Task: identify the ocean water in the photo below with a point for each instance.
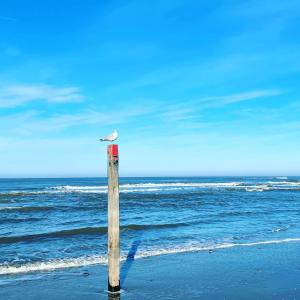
(50, 224)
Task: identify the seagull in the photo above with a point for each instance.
(111, 137)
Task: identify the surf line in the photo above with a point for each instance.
(53, 265)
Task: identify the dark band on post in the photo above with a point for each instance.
(114, 289)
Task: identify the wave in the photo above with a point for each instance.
(52, 265)
(261, 188)
(19, 220)
(83, 231)
(141, 187)
(25, 208)
(278, 229)
(23, 193)
(172, 186)
(274, 186)
(183, 184)
(154, 187)
(92, 190)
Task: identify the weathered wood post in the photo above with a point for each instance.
(113, 219)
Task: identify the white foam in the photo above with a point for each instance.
(143, 187)
(11, 208)
(184, 184)
(280, 229)
(103, 189)
(24, 192)
(195, 248)
(52, 265)
(286, 183)
(75, 187)
(258, 188)
(151, 187)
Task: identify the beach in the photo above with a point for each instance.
(181, 238)
(149, 148)
(268, 271)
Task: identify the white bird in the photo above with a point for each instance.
(111, 137)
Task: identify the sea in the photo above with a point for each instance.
(58, 224)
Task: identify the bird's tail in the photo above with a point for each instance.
(101, 140)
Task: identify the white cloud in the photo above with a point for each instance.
(181, 113)
(191, 110)
(14, 95)
(33, 122)
(240, 97)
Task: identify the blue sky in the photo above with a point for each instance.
(193, 87)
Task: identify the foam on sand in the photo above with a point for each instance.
(47, 266)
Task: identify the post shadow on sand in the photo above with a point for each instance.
(125, 269)
(129, 261)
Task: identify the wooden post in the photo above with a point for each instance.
(113, 219)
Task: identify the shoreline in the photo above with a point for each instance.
(81, 262)
(264, 271)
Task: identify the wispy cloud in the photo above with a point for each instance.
(14, 95)
(34, 122)
(240, 97)
(229, 69)
(191, 109)
(175, 113)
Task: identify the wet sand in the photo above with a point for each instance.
(248, 272)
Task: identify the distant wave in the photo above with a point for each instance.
(273, 185)
(26, 192)
(47, 266)
(19, 220)
(82, 231)
(172, 186)
(25, 208)
(143, 187)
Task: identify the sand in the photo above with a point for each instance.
(256, 272)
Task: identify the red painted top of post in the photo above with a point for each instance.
(113, 150)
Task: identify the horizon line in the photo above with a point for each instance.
(139, 176)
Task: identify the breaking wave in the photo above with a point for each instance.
(83, 231)
(25, 208)
(52, 265)
(155, 187)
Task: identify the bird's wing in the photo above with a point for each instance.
(111, 137)
(106, 138)
(115, 135)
